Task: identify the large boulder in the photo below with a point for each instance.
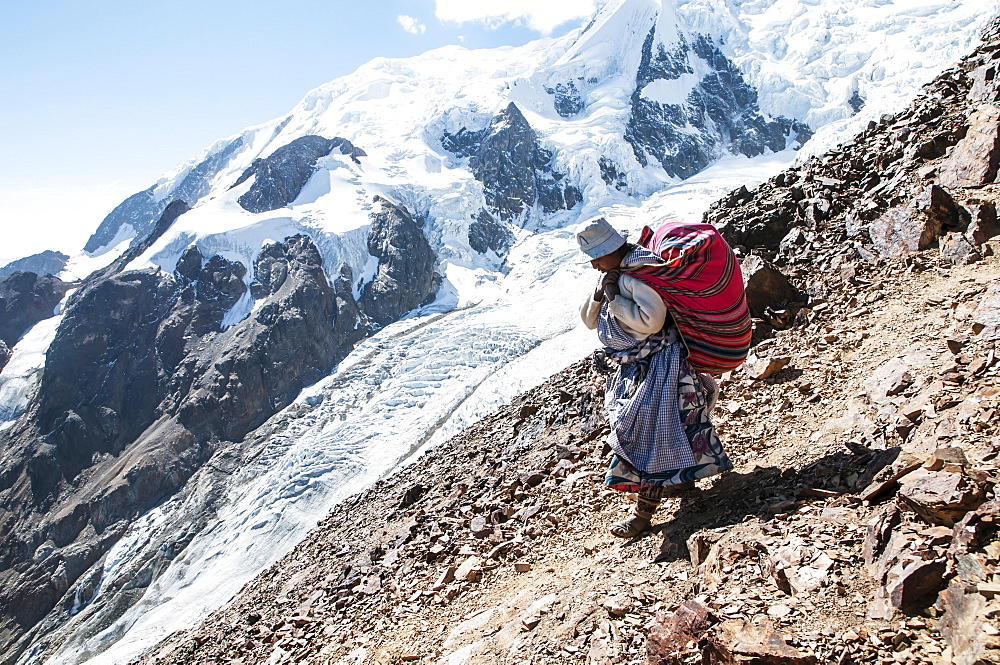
(982, 222)
(974, 160)
(915, 226)
(765, 286)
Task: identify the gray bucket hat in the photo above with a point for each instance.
(597, 238)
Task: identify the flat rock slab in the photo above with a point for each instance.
(940, 497)
(694, 634)
(915, 226)
(973, 161)
(986, 317)
(762, 367)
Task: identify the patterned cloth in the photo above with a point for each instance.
(697, 275)
(641, 398)
(700, 435)
(658, 408)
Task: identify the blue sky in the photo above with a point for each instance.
(100, 98)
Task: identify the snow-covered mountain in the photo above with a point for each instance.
(364, 276)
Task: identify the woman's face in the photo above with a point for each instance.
(606, 262)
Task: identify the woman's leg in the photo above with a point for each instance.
(642, 515)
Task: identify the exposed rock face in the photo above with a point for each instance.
(141, 210)
(4, 354)
(43, 263)
(486, 233)
(916, 226)
(611, 175)
(214, 286)
(515, 170)
(26, 299)
(567, 100)
(141, 385)
(405, 277)
(721, 109)
(280, 177)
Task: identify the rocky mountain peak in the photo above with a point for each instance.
(516, 172)
(720, 111)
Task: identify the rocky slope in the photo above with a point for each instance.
(494, 547)
(859, 525)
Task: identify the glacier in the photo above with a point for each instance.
(500, 324)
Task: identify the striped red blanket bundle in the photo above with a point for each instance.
(700, 281)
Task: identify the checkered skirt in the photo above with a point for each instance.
(661, 433)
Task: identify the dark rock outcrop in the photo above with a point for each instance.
(142, 210)
(405, 277)
(280, 177)
(486, 233)
(214, 286)
(515, 170)
(4, 354)
(43, 263)
(611, 175)
(566, 99)
(765, 286)
(142, 384)
(25, 299)
(721, 109)
(857, 102)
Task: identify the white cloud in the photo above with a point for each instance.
(541, 15)
(411, 25)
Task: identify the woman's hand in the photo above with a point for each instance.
(608, 287)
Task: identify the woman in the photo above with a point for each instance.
(658, 407)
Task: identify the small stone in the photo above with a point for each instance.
(529, 622)
(988, 590)
(480, 527)
(447, 576)
(763, 367)
(779, 610)
(522, 567)
(956, 344)
(618, 605)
